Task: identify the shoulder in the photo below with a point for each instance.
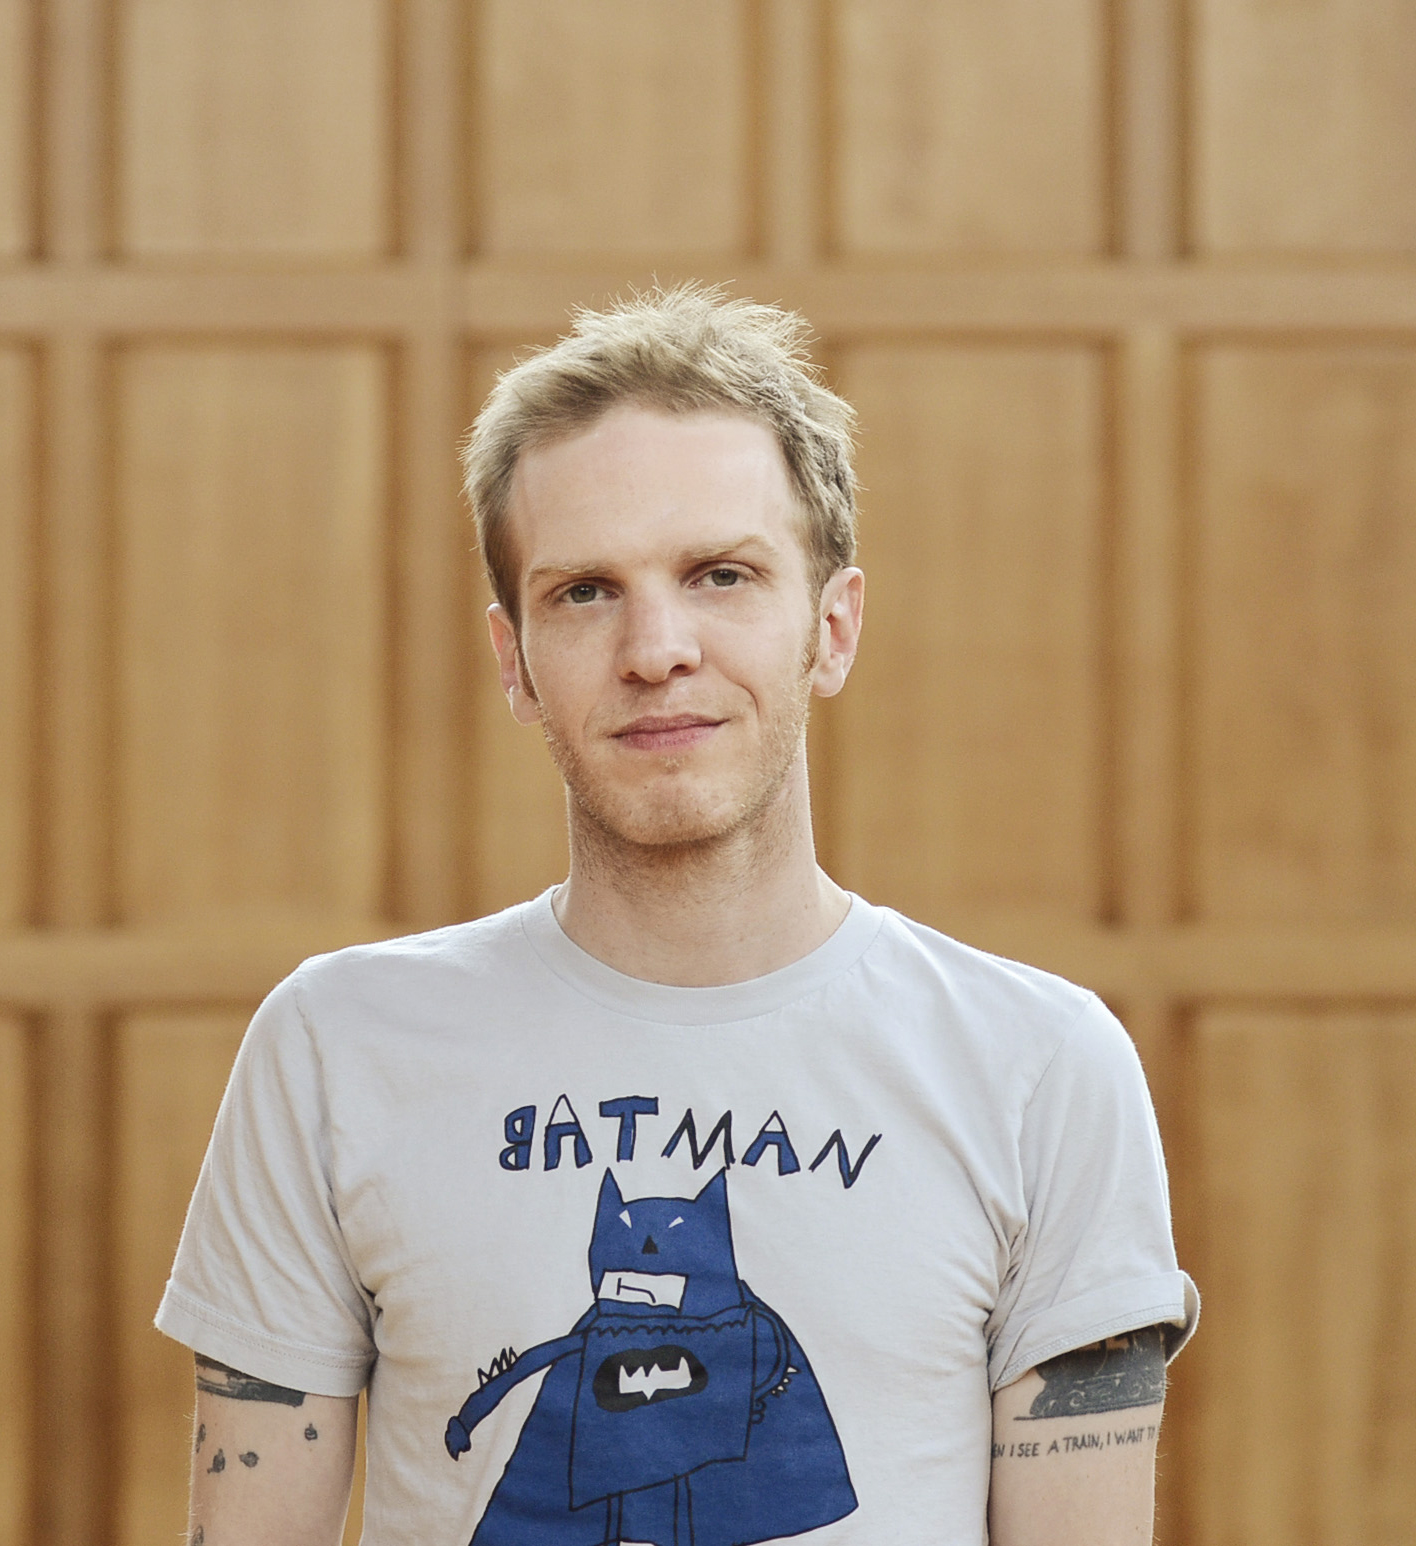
(975, 983)
(484, 947)
(1000, 1024)
(346, 1003)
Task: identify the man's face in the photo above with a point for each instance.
(670, 638)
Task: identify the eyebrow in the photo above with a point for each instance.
(745, 546)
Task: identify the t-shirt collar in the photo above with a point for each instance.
(698, 1006)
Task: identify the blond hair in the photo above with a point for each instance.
(684, 350)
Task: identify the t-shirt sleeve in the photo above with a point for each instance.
(263, 1280)
(1095, 1256)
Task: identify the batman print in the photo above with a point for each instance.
(678, 1411)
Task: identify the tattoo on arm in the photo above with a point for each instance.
(219, 1379)
(1123, 1371)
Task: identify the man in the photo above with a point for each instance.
(695, 1201)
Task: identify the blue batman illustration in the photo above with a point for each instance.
(679, 1410)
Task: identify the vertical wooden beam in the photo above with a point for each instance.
(791, 215)
(73, 100)
(1149, 161)
(17, 1310)
(790, 221)
(74, 580)
(432, 540)
(1149, 170)
(1148, 560)
(1148, 744)
(72, 1481)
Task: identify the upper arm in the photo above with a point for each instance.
(1074, 1447)
(269, 1464)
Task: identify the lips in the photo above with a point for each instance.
(667, 732)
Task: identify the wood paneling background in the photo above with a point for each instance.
(1125, 291)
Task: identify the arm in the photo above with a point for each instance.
(483, 1401)
(1074, 1447)
(269, 1464)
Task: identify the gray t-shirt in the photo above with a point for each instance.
(763, 1250)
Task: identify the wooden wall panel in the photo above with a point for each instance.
(1304, 633)
(516, 800)
(16, 127)
(1307, 1203)
(17, 620)
(969, 126)
(251, 603)
(254, 127)
(971, 739)
(170, 1070)
(1304, 126)
(16, 1280)
(620, 128)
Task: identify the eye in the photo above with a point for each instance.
(723, 579)
(626, 1220)
(581, 592)
(676, 1223)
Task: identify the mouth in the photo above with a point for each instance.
(658, 1289)
(667, 732)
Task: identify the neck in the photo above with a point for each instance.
(702, 914)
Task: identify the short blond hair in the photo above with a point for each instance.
(683, 350)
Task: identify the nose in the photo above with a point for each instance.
(658, 640)
(650, 1249)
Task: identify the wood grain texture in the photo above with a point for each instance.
(971, 736)
(17, 635)
(16, 1278)
(252, 599)
(254, 128)
(170, 1069)
(969, 127)
(75, 562)
(72, 1301)
(1304, 126)
(1306, 1363)
(507, 298)
(72, 128)
(17, 109)
(1303, 625)
(1147, 676)
(1148, 138)
(616, 128)
(792, 204)
(516, 823)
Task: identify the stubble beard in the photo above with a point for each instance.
(618, 832)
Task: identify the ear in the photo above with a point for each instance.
(842, 608)
(514, 680)
(610, 1199)
(715, 1194)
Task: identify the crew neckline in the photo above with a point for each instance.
(720, 1005)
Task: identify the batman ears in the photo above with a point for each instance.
(717, 1189)
(610, 1192)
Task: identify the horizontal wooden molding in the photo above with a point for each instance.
(519, 301)
(110, 968)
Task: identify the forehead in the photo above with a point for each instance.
(639, 476)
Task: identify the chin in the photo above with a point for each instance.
(647, 822)
(686, 808)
